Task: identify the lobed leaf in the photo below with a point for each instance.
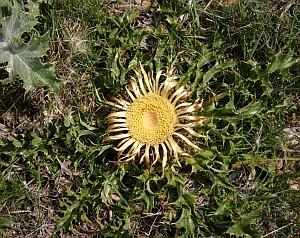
(23, 58)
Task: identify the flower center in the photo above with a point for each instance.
(151, 119)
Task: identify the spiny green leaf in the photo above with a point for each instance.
(237, 231)
(217, 68)
(91, 128)
(186, 221)
(243, 228)
(222, 209)
(249, 110)
(281, 62)
(149, 199)
(186, 199)
(36, 141)
(68, 119)
(23, 58)
(15, 142)
(66, 221)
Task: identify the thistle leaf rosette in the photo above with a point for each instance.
(150, 122)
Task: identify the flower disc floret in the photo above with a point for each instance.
(151, 119)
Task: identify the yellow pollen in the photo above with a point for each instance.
(151, 119)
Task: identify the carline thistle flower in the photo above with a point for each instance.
(148, 122)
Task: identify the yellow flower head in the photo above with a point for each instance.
(147, 123)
